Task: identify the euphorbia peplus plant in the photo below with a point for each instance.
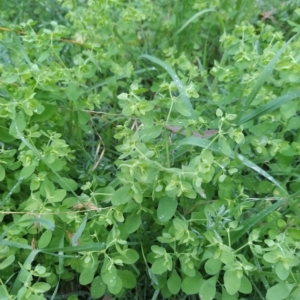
(200, 196)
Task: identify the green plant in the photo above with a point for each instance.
(142, 158)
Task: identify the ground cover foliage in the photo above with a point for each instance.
(149, 150)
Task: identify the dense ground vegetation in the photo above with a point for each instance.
(149, 149)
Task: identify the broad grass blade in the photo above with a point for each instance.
(186, 101)
(269, 107)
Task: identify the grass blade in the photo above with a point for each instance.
(206, 144)
(51, 251)
(87, 247)
(78, 233)
(269, 107)
(195, 16)
(176, 80)
(263, 76)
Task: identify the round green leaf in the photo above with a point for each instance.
(58, 195)
(158, 267)
(213, 266)
(208, 289)
(246, 286)
(232, 282)
(72, 91)
(128, 279)
(191, 285)
(45, 239)
(133, 223)
(166, 208)
(86, 276)
(129, 256)
(116, 288)
(226, 296)
(98, 287)
(121, 196)
(279, 291)
(109, 276)
(281, 271)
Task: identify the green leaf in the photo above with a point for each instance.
(98, 287)
(232, 282)
(224, 146)
(2, 172)
(133, 222)
(86, 276)
(166, 208)
(246, 286)
(73, 92)
(226, 296)
(213, 266)
(130, 256)
(208, 289)
(150, 133)
(3, 292)
(41, 287)
(289, 110)
(109, 276)
(121, 196)
(281, 270)
(128, 279)
(27, 171)
(191, 285)
(174, 283)
(58, 195)
(181, 108)
(279, 291)
(159, 251)
(187, 269)
(7, 262)
(117, 287)
(158, 267)
(68, 184)
(17, 125)
(45, 239)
